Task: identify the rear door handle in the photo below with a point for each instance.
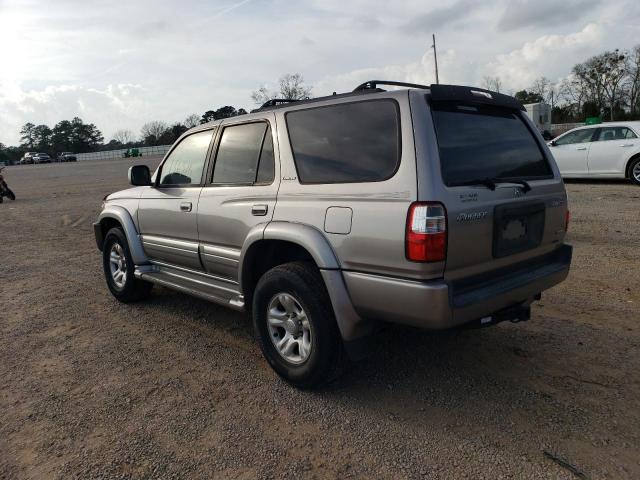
(185, 206)
(581, 148)
(259, 210)
(627, 145)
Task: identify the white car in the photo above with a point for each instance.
(608, 150)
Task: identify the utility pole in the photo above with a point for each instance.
(435, 56)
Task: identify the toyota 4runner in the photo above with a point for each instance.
(434, 207)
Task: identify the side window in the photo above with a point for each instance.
(346, 143)
(579, 136)
(185, 163)
(245, 155)
(615, 133)
(267, 165)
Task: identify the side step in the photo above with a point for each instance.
(199, 284)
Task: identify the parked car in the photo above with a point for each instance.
(608, 150)
(41, 158)
(66, 157)
(434, 207)
(27, 158)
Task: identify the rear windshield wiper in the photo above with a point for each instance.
(491, 183)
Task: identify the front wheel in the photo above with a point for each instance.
(10, 194)
(634, 171)
(119, 267)
(295, 325)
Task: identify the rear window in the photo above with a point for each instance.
(346, 143)
(479, 142)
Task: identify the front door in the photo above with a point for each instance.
(571, 151)
(167, 211)
(240, 194)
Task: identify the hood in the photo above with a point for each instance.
(132, 193)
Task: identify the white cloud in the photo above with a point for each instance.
(115, 107)
(551, 55)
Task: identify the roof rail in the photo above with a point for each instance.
(274, 102)
(372, 84)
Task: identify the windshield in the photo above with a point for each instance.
(479, 142)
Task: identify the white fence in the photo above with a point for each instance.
(558, 128)
(110, 154)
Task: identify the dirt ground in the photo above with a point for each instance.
(176, 387)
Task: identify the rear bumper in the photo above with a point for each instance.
(440, 304)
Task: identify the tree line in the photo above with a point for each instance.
(606, 86)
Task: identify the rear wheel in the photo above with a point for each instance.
(634, 171)
(119, 267)
(295, 325)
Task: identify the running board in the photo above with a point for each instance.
(199, 284)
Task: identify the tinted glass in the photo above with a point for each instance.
(353, 142)
(186, 162)
(579, 136)
(266, 167)
(237, 158)
(615, 133)
(485, 142)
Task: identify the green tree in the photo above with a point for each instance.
(222, 112)
(85, 137)
(62, 136)
(42, 138)
(528, 97)
(27, 136)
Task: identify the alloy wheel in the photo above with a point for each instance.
(289, 328)
(118, 265)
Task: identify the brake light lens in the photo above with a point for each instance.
(426, 238)
(567, 219)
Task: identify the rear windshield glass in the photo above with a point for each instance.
(478, 142)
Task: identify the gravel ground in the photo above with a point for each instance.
(176, 387)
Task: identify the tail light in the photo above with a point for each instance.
(426, 239)
(567, 218)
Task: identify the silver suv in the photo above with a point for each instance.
(434, 207)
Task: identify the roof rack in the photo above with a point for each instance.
(274, 102)
(373, 84)
(364, 89)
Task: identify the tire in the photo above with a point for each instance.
(317, 355)
(10, 194)
(126, 288)
(634, 171)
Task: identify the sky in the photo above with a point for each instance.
(121, 64)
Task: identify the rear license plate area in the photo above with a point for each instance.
(517, 228)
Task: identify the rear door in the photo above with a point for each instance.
(492, 224)
(167, 211)
(610, 150)
(572, 150)
(239, 194)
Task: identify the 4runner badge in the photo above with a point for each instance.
(468, 217)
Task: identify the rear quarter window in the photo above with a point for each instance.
(346, 143)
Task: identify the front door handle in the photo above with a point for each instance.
(185, 206)
(259, 210)
(627, 145)
(581, 148)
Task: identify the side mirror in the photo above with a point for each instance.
(139, 176)
(552, 143)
